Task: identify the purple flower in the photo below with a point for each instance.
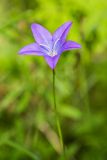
(48, 45)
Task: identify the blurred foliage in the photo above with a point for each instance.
(27, 125)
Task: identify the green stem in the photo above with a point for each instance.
(57, 117)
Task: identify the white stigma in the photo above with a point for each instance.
(52, 54)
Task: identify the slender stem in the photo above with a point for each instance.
(57, 116)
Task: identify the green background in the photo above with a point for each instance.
(27, 121)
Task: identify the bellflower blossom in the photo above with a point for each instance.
(48, 45)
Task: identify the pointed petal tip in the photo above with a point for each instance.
(69, 23)
(79, 46)
(20, 52)
(33, 25)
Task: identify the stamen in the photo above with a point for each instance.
(45, 47)
(50, 52)
(55, 44)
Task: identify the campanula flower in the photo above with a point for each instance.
(48, 45)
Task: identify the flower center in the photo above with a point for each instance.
(52, 54)
(51, 50)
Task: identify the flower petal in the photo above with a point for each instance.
(32, 49)
(69, 45)
(52, 61)
(41, 35)
(62, 31)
